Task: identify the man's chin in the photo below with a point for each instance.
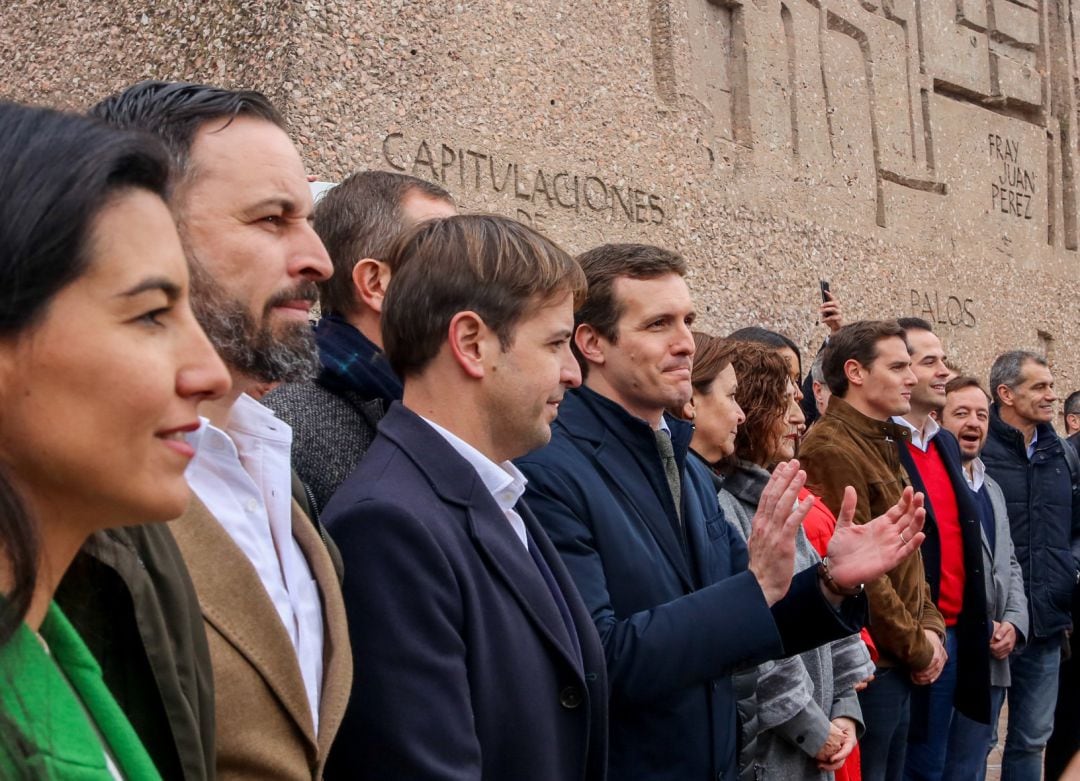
(287, 328)
(680, 396)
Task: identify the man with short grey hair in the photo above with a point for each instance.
(333, 416)
(1027, 459)
(818, 384)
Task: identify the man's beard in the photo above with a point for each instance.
(252, 348)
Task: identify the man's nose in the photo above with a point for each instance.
(309, 258)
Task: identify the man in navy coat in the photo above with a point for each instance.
(475, 658)
(952, 555)
(678, 601)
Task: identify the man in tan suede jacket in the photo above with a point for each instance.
(264, 576)
(868, 370)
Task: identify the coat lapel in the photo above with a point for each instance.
(234, 601)
(598, 428)
(337, 656)
(641, 501)
(500, 547)
(458, 484)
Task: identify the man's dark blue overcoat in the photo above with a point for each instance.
(464, 666)
(675, 618)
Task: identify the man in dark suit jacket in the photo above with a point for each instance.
(475, 656)
(677, 599)
(952, 555)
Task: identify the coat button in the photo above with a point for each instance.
(570, 697)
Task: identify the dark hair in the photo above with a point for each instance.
(605, 264)
(361, 218)
(962, 382)
(491, 265)
(712, 354)
(856, 341)
(57, 173)
(1008, 369)
(914, 324)
(174, 111)
(1072, 404)
(773, 339)
(763, 378)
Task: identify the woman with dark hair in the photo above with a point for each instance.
(712, 407)
(102, 366)
(779, 343)
(800, 715)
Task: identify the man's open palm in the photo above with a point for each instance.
(859, 554)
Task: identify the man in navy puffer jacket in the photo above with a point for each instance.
(1026, 457)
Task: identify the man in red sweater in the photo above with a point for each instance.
(953, 557)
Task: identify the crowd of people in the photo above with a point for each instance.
(502, 513)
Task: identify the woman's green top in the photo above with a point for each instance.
(47, 701)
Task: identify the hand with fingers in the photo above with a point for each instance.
(931, 672)
(834, 742)
(858, 554)
(773, 527)
(836, 760)
(830, 314)
(1002, 639)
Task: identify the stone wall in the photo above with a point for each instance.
(922, 156)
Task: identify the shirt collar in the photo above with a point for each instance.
(246, 418)
(1031, 446)
(504, 481)
(920, 439)
(977, 475)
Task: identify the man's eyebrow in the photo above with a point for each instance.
(166, 286)
(287, 205)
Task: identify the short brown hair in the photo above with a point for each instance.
(856, 341)
(361, 218)
(712, 354)
(605, 264)
(959, 383)
(491, 265)
(763, 376)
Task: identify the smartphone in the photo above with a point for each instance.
(824, 291)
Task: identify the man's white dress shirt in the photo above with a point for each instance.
(920, 439)
(504, 481)
(243, 476)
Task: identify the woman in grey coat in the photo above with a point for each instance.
(800, 716)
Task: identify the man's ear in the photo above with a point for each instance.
(1005, 395)
(855, 372)
(370, 279)
(590, 344)
(470, 341)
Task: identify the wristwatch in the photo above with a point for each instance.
(832, 585)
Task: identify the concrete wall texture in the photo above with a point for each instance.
(922, 155)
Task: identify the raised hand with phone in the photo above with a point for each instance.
(829, 312)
